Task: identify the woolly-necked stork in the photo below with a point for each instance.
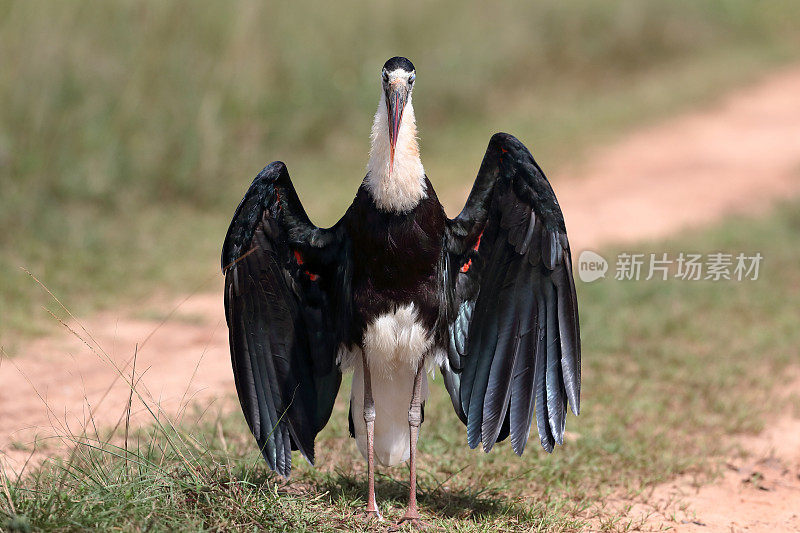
(396, 289)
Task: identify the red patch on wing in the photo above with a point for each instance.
(477, 244)
(298, 257)
(503, 150)
(465, 266)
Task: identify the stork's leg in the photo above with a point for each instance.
(414, 421)
(369, 418)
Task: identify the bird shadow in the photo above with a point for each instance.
(440, 495)
(438, 498)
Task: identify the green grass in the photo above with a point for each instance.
(129, 130)
(671, 369)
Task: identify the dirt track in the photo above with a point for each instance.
(739, 155)
(761, 493)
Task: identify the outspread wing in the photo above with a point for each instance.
(287, 308)
(514, 338)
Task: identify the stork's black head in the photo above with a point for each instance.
(398, 62)
(397, 79)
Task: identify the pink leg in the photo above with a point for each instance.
(414, 421)
(369, 418)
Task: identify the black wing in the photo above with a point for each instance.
(286, 287)
(514, 339)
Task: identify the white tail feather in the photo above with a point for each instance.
(392, 396)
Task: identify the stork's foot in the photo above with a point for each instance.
(412, 517)
(371, 514)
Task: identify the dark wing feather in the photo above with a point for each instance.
(287, 307)
(514, 337)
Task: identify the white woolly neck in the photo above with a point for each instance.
(402, 189)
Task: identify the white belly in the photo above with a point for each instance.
(394, 344)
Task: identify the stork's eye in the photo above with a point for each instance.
(385, 76)
(412, 78)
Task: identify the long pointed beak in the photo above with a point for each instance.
(396, 95)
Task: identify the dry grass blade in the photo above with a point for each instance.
(4, 481)
(155, 410)
(130, 403)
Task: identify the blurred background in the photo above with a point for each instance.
(129, 130)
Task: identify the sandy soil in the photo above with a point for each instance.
(737, 156)
(760, 493)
